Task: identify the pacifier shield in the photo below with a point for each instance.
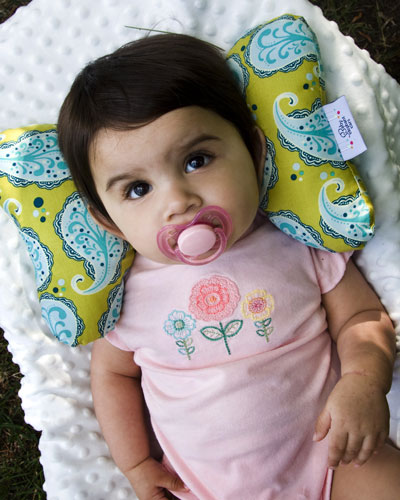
(199, 242)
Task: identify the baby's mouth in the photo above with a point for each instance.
(199, 242)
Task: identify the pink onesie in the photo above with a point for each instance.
(236, 365)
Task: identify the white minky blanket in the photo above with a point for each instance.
(43, 46)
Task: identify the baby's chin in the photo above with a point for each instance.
(160, 258)
(171, 262)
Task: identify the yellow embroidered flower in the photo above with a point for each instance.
(258, 305)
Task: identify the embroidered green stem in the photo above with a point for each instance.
(186, 347)
(214, 333)
(264, 330)
(225, 339)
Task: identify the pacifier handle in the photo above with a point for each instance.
(196, 240)
(207, 232)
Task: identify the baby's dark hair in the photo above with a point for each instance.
(137, 84)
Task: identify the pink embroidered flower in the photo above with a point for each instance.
(214, 298)
(257, 305)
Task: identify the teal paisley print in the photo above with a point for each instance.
(61, 316)
(109, 319)
(239, 71)
(34, 159)
(41, 256)
(347, 217)
(290, 224)
(307, 132)
(84, 240)
(271, 174)
(281, 46)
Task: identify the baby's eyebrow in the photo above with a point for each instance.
(185, 146)
(118, 178)
(197, 140)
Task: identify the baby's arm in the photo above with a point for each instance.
(118, 402)
(356, 414)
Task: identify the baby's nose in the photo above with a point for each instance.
(180, 201)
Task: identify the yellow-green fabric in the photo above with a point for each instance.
(79, 267)
(309, 192)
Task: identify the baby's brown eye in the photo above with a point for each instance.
(197, 161)
(138, 190)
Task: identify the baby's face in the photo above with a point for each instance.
(166, 171)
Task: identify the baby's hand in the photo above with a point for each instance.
(356, 416)
(151, 481)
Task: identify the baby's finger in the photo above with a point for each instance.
(381, 441)
(367, 449)
(172, 483)
(354, 445)
(337, 447)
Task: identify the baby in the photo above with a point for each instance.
(263, 363)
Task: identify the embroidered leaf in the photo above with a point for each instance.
(262, 324)
(184, 343)
(186, 347)
(187, 352)
(233, 327)
(265, 332)
(230, 330)
(212, 333)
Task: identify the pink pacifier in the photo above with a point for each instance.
(207, 232)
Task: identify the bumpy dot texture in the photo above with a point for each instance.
(43, 46)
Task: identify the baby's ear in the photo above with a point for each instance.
(261, 153)
(104, 222)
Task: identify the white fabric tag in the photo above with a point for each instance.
(344, 127)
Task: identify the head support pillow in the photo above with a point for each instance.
(78, 266)
(309, 192)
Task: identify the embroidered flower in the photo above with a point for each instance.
(214, 298)
(257, 305)
(179, 324)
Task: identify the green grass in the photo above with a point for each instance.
(374, 25)
(21, 475)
